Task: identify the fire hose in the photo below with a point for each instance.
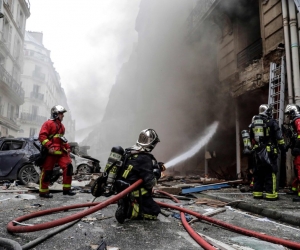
(188, 228)
(11, 226)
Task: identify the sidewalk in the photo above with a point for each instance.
(284, 209)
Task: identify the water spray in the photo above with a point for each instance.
(204, 139)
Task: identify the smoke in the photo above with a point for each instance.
(168, 84)
(208, 133)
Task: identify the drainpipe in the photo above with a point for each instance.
(287, 51)
(237, 136)
(294, 45)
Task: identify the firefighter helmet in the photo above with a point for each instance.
(266, 110)
(147, 140)
(56, 110)
(292, 110)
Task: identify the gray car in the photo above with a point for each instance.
(14, 159)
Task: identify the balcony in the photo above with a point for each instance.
(196, 17)
(252, 52)
(37, 96)
(32, 118)
(39, 75)
(11, 86)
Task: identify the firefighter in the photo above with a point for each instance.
(267, 137)
(141, 164)
(248, 145)
(52, 138)
(293, 113)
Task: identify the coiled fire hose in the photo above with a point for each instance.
(11, 226)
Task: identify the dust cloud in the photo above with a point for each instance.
(169, 84)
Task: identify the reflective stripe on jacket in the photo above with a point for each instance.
(50, 134)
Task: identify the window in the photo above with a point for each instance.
(36, 88)
(35, 110)
(38, 73)
(20, 18)
(12, 145)
(17, 48)
(32, 132)
(12, 112)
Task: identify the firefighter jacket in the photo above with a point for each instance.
(296, 140)
(140, 165)
(50, 136)
(268, 134)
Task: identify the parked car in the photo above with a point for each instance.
(14, 159)
(83, 162)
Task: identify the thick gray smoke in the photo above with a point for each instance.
(168, 84)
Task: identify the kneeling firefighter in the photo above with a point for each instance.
(135, 163)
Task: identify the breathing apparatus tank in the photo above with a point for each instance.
(258, 128)
(112, 167)
(246, 141)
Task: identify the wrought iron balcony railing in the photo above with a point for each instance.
(11, 83)
(252, 52)
(195, 18)
(28, 117)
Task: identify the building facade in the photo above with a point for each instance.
(43, 89)
(250, 35)
(12, 26)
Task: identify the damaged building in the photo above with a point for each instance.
(253, 41)
(196, 64)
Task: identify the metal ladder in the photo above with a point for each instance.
(276, 90)
(276, 98)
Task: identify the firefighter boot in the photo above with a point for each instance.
(296, 199)
(46, 195)
(68, 192)
(122, 210)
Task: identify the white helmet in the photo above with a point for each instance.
(292, 110)
(55, 110)
(147, 140)
(266, 110)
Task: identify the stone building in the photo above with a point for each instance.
(12, 25)
(42, 87)
(249, 36)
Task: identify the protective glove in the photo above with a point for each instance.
(157, 173)
(161, 166)
(247, 151)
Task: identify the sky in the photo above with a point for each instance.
(89, 41)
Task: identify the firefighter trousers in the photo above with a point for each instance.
(265, 179)
(296, 182)
(65, 163)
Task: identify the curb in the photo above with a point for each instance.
(269, 213)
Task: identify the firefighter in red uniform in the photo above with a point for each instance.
(293, 113)
(52, 137)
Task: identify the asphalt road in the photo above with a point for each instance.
(165, 233)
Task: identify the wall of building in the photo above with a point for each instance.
(42, 88)
(12, 27)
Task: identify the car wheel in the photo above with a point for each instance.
(28, 174)
(84, 168)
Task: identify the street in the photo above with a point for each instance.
(165, 233)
